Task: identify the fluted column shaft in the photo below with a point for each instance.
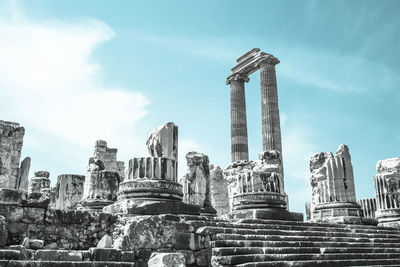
(240, 150)
(271, 128)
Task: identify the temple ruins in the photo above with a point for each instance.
(140, 214)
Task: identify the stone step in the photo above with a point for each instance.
(11, 254)
(299, 227)
(245, 231)
(324, 263)
(261, 243)
(226, 251)
(320, 224)
(26, 263)
(240, 259)
(303, 238)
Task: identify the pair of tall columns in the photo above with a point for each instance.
(271, 131)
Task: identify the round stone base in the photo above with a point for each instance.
(150, 189)
(259, 200)
(388, 217)
(340, 212)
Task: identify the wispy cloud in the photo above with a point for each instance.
(53, 85)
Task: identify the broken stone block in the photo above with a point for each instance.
(166, 260)
(105, 158)
(3, 231)
(219, 190)
(163, 142)
(39, 190)
(23, 180)
(13, 176)
(36, 243)
(332, 182)
(387, 190)
(69, 191)
(196, 182)
(105, 242)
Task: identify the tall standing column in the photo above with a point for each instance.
(271, 128)
(240, 147)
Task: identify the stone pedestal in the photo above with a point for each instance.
(333, 193)
(387, 189)
(256, 189)
(150, 186)
(196, 183)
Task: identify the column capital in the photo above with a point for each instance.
(237, 77)
(268, 60)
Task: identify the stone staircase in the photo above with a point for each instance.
(251, 242)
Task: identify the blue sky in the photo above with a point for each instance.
(73, 72)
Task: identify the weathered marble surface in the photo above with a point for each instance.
(12, 174)
(163, 141)
(219, 190)
(39, 192)
(368, 207)
(387, 189)
(167, 260)
(69, 191)
(196, 182)
(333, 192)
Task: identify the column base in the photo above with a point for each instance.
(340, 212)
(266, 214)
(151, 207)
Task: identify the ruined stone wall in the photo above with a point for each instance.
(57, 228)
(12, 175)
(109, 158)
(165, 233)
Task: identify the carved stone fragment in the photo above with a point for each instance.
(163, 141)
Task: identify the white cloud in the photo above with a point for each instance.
(52, 85)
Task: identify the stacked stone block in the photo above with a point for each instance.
(39, 189)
